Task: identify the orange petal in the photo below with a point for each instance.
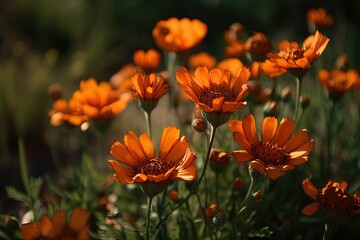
(285, 130)
(147, 145)
(273, 172)
(242, 156)
(134, 146)
(46, 227)
(79, 219)
(309, 189)
(297, 141)
(59, 221)
(169, 137)
(311, 209)
(249, 127)
(121, 153)
(268, 129)
(303, 150)
(123, 174)
(140, 177)
(202, 76)
(217, 104)
(297, 161)
(257, 165)
(177, 151)
(29, 231)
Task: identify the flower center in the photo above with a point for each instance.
(209, 95)
(154, 166)
(336, 199)
(292, 53)
(163, 31)
(270, 153)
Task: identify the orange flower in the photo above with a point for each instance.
(338, 82)
(255, 70)
(136, 161)
(277, 151)
(333, 197)
(178, 35)
(234, 32)
(91, 102)
(58, 228)
(149, 60)
(235, 49)
(258, 45)
(201, 59)
(233, 65)
(294, 58)
(319, 18)
(149, 89)
(214, 92)
(122, 79)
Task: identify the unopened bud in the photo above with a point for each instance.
(55, 91)
(270, 109)
(238, 184)
(286, 93)
(218, 160)
(304, 101)
(254, 199)
(342, 62)
(211, 211)
(220, 218)
(199, 124)
(173, 195)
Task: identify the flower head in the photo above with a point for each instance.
(92, 101)
(58, 227)
(319, 18)
(258, 45)
(136, 161)
(214, 92)
(122, 79)
(201, 59)
(149, 89)
(294, 58)
(233, 65)
(333, 197)
(148, 60)
(338, 82)
(277, 151)
(178, 35)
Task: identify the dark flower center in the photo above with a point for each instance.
(163, 31)
(270, 153)
(210, 94)
(336, 199)
(154, 166)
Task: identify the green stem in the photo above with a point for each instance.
(326, 162)
(212, 137)
(23, 166)
(327, 232)
(148, 218)
(217, 186)
(297, 98)
(148, 123)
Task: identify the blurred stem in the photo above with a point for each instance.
(217, 186)
(148, 122)
(326, 162)
(23, 166)
(149, 202)
(327, 232)
(297, 98)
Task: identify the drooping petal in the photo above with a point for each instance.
(310, 209)
(257, 165)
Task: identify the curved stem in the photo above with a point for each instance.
(297, 99)
(148, 218)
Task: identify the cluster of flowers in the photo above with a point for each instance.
(218, 90)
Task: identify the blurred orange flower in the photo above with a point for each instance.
(234, 32)
(57, 228)
(235, 49)
(333, 197)
(214, 91)
(277, 151)
(201, 59)
(338, 82)
(148, 60)
(319, 18)
(294, 58)
(258, 45)
(136, 161)
(178, 35)
(92, 101)
(149, 89)
(233, 65)
(122, 79)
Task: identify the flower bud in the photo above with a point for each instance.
(218, 160)
(220, 218)
(270, 109)
(285, 94)
(238, 184)
(304, 101)
(55, 91)
(173, 195)
(254, 199)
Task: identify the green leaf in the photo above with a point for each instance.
(17, 195)
(262, 232)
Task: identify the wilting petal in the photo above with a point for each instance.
(310, 209)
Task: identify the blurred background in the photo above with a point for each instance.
(65, 41)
